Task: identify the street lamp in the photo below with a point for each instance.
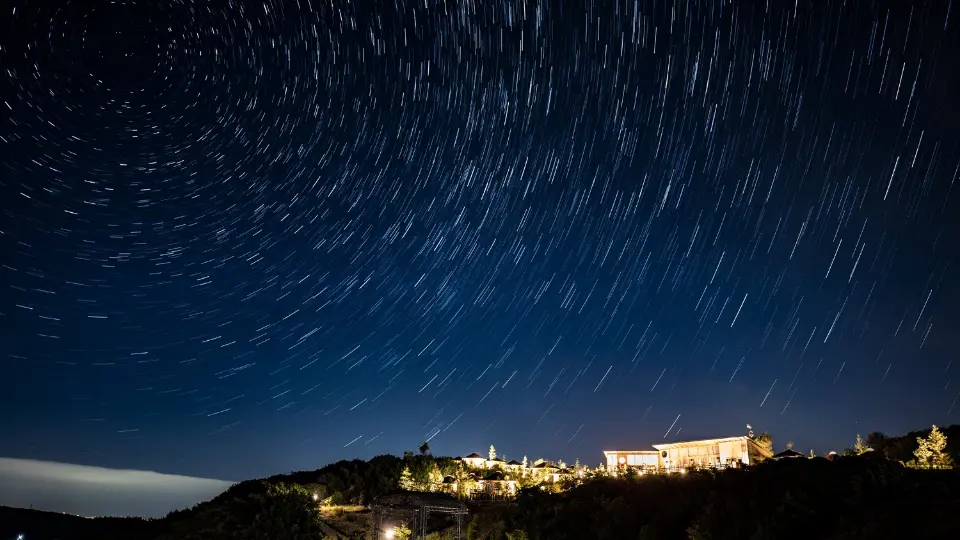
(389, 534)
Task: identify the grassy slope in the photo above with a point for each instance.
(350, 521)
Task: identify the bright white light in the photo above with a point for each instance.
(388, 534)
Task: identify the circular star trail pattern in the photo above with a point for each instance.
(347, 227)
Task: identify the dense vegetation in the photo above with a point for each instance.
(851, 497)
(266, 510)
(882, 487)
(901, 449)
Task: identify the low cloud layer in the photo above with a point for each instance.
(97, 491)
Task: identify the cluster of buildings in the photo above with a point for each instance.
(549, 472)
(494, 477)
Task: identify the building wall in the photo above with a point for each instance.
(691, 455)
(733, 451)
(643, 458)
(708, 453)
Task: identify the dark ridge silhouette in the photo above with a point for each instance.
(872, 495)
(42, 525)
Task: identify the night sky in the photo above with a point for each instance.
(242, 238)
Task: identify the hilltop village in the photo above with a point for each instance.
(475, 476)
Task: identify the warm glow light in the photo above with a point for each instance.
(388, 534)
(622, 460)
(315, 497)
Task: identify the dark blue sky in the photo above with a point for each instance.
(255, 237)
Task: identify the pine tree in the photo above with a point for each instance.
(860, 447)
(406, 480)
(493, 453)
(812, 454)
(576, 464)
(789, 445)
(524, 462)
(930, 452)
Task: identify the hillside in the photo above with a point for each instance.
(40, 525)
(872, 495)
(852, 497)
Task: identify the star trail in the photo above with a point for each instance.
(239, 238)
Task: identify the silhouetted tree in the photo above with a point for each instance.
(876, 440)
(859, 447)
(425, 448)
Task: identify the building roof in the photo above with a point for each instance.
(642, 452)
(514, 462)
(788, 453)
(681, 444)
(474, 456)
(496, 476)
